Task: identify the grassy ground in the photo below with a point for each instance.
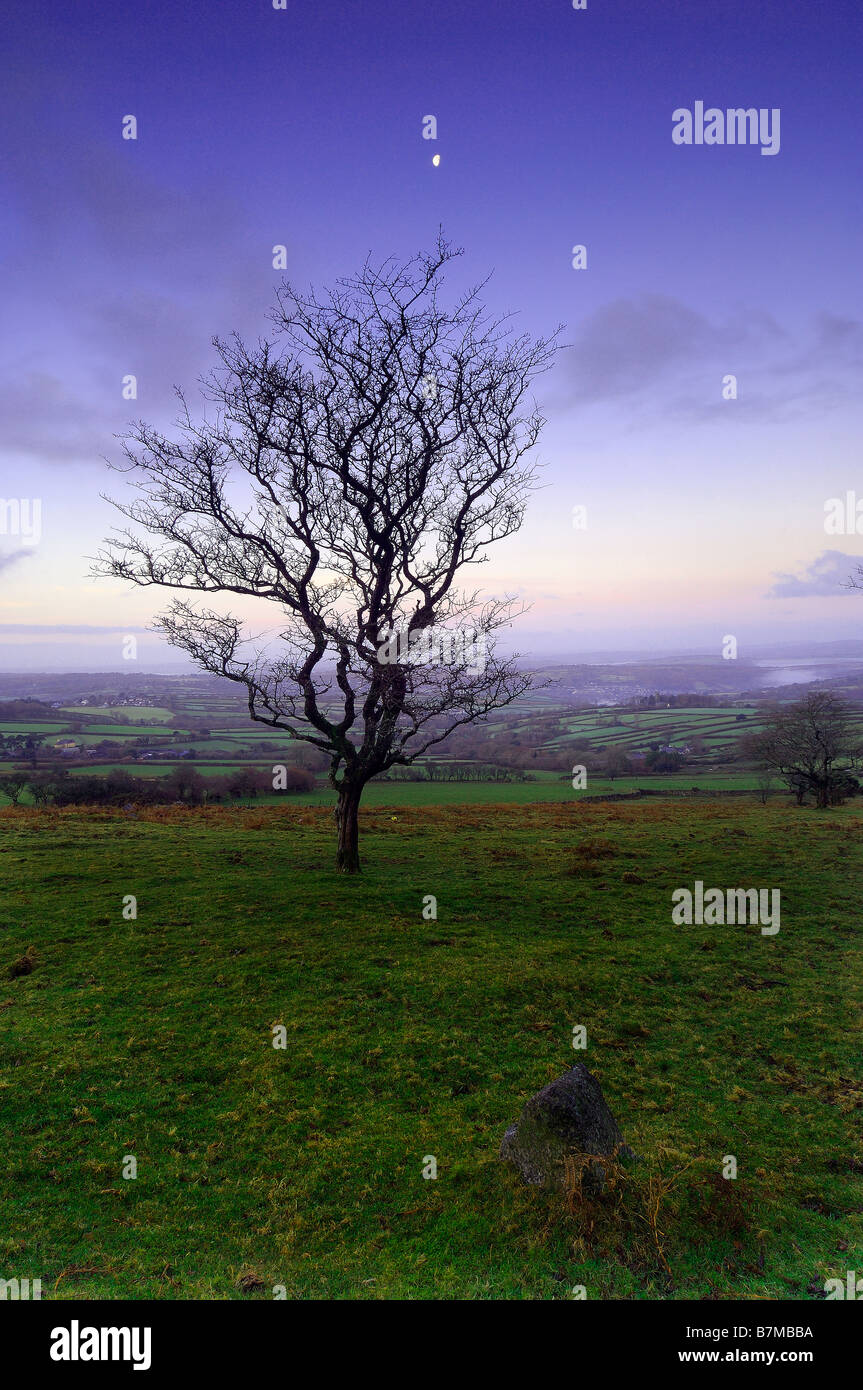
(408, 1037)
(547, 788)
(551, 789)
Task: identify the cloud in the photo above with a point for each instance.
(44, 419)
(135, 278)
(6, 561)
(626, 345)
(829, 575)
(71, 409)
(835, 341)
(42, 628)
(652, 350)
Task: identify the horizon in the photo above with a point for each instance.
(766, 656)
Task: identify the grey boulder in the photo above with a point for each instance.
(567, 1118)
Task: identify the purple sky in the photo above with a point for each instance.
(303, 126)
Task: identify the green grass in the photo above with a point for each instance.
(554, 789)
(133, 714)
(31, 726)
(409, 1037)
(548, 787)
(124, 731)
(161, 767)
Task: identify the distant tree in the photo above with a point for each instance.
(378, 455)
(296, 779)
(616, 761)
(812, 744)
(32, 745)
(183, 783)
(844, 786)
(664, 760)
(248, 781)
(12, 785)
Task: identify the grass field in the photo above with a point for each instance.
(129, 714)
(548, 787)
(302, 1167)
(522, 793)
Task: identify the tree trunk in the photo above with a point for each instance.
(347, 820)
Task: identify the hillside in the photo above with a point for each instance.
(408, 1037)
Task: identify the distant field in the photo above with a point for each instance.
(162, 767)
(133, 714)
(32, 727)
(127, 730)
(100, 733)
(713, 769)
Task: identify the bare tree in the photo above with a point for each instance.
(812, 744)
(355, 465)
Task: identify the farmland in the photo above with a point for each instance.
(539, 741)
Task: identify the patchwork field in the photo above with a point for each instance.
(409, 1038)
(708, 738)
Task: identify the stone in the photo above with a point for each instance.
(568, 1117)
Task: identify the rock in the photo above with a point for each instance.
(568, 1117)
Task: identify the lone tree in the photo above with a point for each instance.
(812, 744)
(354, 466)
